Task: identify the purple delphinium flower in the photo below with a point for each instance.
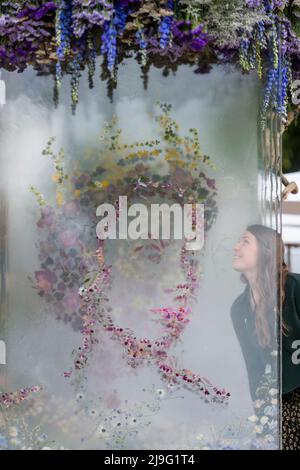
(121, 14)
(37, 12)
(193, 39)
(64, 27)
(141, 39)
(109, 44)
(22, 33)
(165, 28)
(89, 14)
(126, 3)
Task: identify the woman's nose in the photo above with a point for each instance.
(236, 248)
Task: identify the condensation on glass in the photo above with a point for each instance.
(119, 406)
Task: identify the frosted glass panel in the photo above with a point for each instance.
(132, 344)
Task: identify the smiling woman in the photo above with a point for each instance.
(252, 312)
(258, 256)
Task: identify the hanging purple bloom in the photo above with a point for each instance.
(193, 39)
(109, 44)
(37, 13)
(143, 45)
(121, 14)
(63, 28)
(126, 3)
(165, 28)
(141, 40)
(88, 14)
(22, 33)
(75, 70)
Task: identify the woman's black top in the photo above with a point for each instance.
(257, 358)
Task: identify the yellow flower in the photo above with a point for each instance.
(56, 177)
(143, 153)
(59, 198)
(171, 154)
(105, 184)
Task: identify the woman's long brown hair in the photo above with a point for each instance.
(271, 278)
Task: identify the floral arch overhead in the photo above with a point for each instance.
(65, 37)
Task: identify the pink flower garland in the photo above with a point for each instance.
(140, 351)
(15, 398)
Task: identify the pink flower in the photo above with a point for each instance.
(71, 208)
(47, 217)
(182, 178)
(68, 238)
(45, 280)
(72, 300)
(211, 183)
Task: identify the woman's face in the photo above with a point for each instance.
(245, 253)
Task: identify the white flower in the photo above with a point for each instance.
(272, 424)
(133, 421)
(258, 429)
(160, 392)
(13, 431)
(264, 420)
(273, 392)
(274, 353)
(258, 403)
(170, 386)
(253, 418)
(93, 412)
(82, 291)
(116, 420)
(80, 396)
(225, 442)
(268, 369)
(102, 431)
(199, 437)
(268, 411)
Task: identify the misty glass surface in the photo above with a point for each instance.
(114, 404)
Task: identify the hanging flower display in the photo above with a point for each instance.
(255, 34)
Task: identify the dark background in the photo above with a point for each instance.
(291, 148)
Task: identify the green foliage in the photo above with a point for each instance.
(227, 21)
